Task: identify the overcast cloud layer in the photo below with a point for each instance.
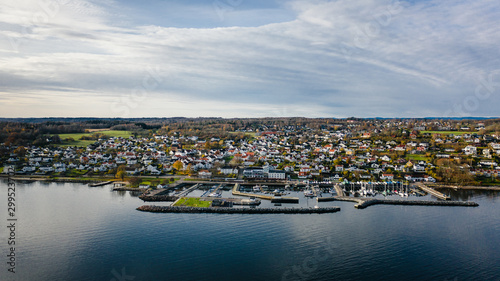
(242, 58)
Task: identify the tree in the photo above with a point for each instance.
(189, 169)
(20, 151)
(236, 161)
(120, 175)
(451, 173)
(178, 165)
(135, 181)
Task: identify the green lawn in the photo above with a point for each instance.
(417, 157)
(1, 170)
(251, 134)
(83, 143)
(75, 173)
(445, 132)
(193, 202)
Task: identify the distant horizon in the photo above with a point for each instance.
(226, 118)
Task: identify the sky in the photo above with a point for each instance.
(249, 58)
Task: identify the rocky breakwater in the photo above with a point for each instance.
(158, 198)
(170, 209)
(366, 202)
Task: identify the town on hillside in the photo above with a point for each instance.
(450, 152)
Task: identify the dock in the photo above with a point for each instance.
(187, 191)
(208, 192)
(100, 183)
(274, 199)
(314, 191)
(432, 191)
(339, 190)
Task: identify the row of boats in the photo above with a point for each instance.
(364, 190)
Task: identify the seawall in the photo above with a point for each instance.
(216, 210)
(363, 203)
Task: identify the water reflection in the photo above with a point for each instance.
(76, 232)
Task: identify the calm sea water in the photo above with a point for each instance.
(75, 232)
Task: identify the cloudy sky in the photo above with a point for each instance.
(249, 58)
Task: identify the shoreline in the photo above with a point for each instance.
(103, 179)
(465, 187)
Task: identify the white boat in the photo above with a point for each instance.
(257, 188)
(308, 193)
(218, 193)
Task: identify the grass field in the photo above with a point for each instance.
(445, 132)
(252, 134)
(1, 170)
(193, 202)
(417, 157)
(84, 143)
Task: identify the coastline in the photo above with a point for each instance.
(102, 179)
(465, 187)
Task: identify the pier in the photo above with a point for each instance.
(208, 192)
(339, 190)
(100, 183)
(187, 191)
(432, 191)
(314, 191)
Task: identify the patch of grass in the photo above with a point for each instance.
(191, 179)
(417, 157)
(75, 173)
(1, 170)
(83, 143)
(193, 202)
(252, 134)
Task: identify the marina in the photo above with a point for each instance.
(363, 194)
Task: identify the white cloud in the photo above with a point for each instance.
(340, 58)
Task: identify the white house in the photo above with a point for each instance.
(387, 177)
(228, 170)
(276, 174)
(470, 150)
(204, 174)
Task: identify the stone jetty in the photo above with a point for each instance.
(365, 202)
(158, 198)
(218, 210)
